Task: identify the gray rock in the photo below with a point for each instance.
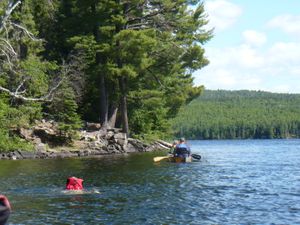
(15, 155)
(4, 156)
(82, 153)
(109, 135)
(66, 154)
(41, 147)
(42, 154)
(122, 136)
(27, 154)
(93, 126)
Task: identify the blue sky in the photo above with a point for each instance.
(256, 46)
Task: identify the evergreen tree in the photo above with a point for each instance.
(134, 47)
(122, 63)
(240, 114)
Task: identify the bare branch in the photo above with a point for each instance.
(5, 46)
(139, 26)
(46, 98)
(9, 54)
(7, 58)
(11, 7)
(147, 17)
(8, 46)
(21, 85)
(49, 96)
(29, 34)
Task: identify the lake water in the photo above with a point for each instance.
(236, 182)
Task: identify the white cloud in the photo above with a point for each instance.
(288, 23)
(242, 56)
(254, 38)
(296, 71)
(256, 63)
(222, 14)
(287, 52)
(225, 77)
(275, 69)
(248, 57)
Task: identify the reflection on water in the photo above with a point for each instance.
(236, 182)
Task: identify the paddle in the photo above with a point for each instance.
(195, 156)
(159, 158)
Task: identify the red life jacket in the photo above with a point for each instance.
(4, 201)
(74, 183)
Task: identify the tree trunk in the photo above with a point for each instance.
(123, 102)
(102, 87)
(103, 102)
(112, 117)
(122, 79)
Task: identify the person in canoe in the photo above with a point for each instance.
(172, 149)
(182, 152)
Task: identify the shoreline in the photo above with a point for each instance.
(133, 146)
(92, 141)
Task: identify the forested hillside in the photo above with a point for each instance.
(125, 64)
(240, 114)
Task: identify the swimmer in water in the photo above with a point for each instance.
(74, 184)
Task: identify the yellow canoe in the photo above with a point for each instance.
(172, 158)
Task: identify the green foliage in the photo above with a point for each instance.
(156, 56)
(9, 143)
(23, 71)
(132, 53)
(63, 109)
(148, 114)
(9, 118)
(240, 114)
(37, 71)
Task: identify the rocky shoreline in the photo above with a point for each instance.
(91, 142)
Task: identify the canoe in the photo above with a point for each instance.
(171, 158)
(180, 159)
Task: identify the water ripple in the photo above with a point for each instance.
(237, 182)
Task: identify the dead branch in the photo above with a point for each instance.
(11, 57)
(21, 85)
(11, 7)
(29, 34)
(18, 95)
(8, 46)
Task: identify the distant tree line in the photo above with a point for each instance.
(240, 115)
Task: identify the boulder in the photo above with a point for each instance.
(14, 155)
(86, 152)
(135, 145)
(4, 156)
(41, 147)
(26, 134)
(27, 155)
(92, 126)
(66, 154)
(92, 141)
(121, 139)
